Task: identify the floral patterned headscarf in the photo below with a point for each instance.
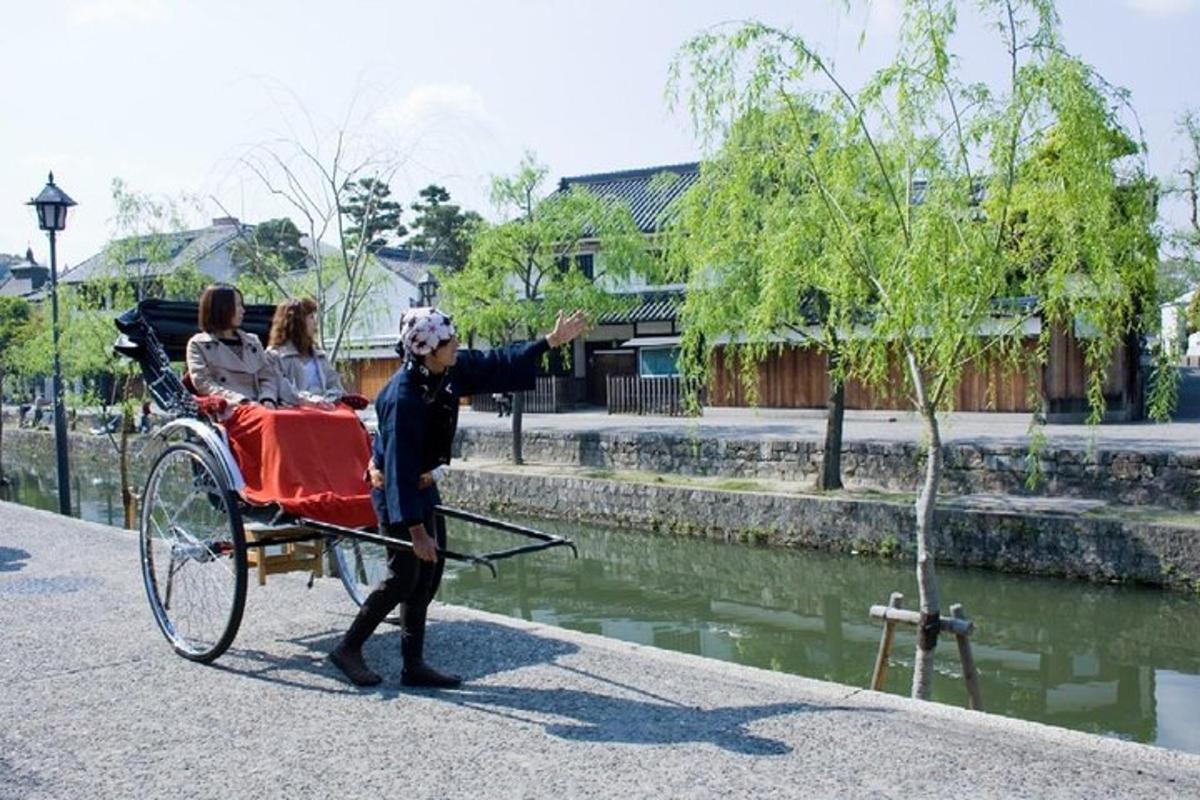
(423, 329)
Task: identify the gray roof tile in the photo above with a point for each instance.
(649, 191)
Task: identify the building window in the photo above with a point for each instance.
(585, 263)
(658, 362)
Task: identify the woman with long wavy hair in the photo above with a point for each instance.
(306, 378)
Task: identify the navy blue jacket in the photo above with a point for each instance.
(418, 414)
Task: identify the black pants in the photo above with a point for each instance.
(410, 582)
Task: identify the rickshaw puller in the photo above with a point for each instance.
(417, 413)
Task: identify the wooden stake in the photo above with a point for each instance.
(970, 673)
(879, 675)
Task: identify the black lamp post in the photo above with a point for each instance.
(52, 205)
(428, 288)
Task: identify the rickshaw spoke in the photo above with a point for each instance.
(191, 539)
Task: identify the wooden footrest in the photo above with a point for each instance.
(285, 557)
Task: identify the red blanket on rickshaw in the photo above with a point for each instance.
(308, 461)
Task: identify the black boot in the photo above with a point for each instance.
(347, 656)
(412, 647)
(350, 661)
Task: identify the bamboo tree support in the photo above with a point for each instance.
(892, 614)
(879, 675)
(970, 673)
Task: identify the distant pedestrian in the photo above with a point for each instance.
(504, 402)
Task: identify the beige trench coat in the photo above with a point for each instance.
(290, 367)
(217, 370)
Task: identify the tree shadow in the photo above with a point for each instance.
(618, 712)
(12, 559)
(596, 717)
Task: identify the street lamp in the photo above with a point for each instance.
(52, 205)
(428, 288)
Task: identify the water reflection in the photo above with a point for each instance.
(94, 499)
(1103, 659)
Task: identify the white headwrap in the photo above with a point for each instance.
(423, 329)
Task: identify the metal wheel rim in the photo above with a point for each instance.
(193, 553)
(361, 566)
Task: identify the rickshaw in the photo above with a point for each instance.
(199, 537)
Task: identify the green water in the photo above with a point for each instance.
(1115, 660)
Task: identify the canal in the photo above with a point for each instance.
(1115, 660)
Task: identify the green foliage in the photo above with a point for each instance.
(147, 258)
(14, 328)
(265, 256)
(918, 198)
(522, 271)
(889, 547)
(14, 318)
(749, 244)
(443, 230)
(372, 216)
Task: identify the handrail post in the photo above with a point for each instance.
(970, 673)
(879, 674)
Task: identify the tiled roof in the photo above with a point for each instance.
(182, 247)
(409, 263)
(652, 305)
(649, 191)
(24, 278)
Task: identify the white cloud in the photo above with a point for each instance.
(88, 12)
(1161, 8)
(432, 104)
(883, 16)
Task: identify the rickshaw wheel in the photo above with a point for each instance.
(361, 566)
(193, 550)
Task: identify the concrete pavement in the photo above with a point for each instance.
(94, 704)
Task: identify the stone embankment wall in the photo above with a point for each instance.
(1079, 546)
(1071, 545)
(1124, 476)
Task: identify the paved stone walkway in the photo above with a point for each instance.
(94, 704)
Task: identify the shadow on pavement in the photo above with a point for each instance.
(617, 712)
(472, 649)
(596, 717)
(12, 559)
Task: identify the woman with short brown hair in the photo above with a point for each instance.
(224, 360)
(305, 374)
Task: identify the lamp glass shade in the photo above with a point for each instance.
(52, 216)
(52, 204)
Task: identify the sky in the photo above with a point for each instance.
(172, 96)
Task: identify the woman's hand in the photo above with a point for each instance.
(424, 545)
(314, 401)
(566, 328)
(374, 476)
(268, 402)
(425, 480)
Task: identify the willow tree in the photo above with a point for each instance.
(521, 271)
(761, 288)
(935, 203)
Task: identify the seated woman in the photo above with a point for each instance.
(224, 360)
(308, 463)
(306, 377)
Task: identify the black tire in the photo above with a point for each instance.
(193, 551)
